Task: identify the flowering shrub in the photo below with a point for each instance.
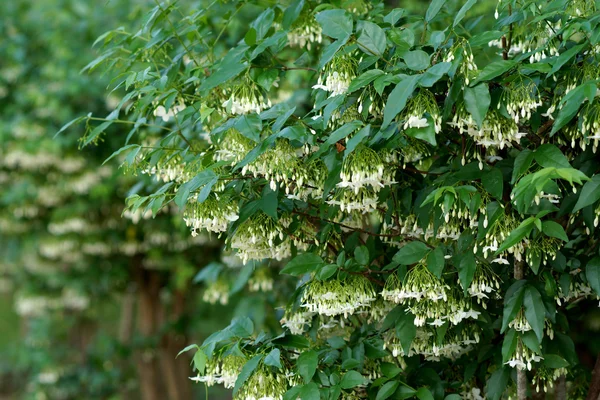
(431, 180)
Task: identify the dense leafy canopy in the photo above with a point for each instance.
(425, 182)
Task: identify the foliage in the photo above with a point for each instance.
(429, 179)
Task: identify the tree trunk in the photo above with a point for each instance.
(150, 378)
(521, 374)
(560, 388)
(594, 392)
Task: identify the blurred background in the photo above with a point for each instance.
(96, 303)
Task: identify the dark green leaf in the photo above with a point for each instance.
(310, 391)
(535, 311)
(411, 253)
(463, 11)
(434, 73)
(509, 345)
(307, 364)
(554, 361)
(371, 39)
(589, 194)
(273, 358)
(517, 235)
(291, 13)
(548, 155)
(246, 372)
(522, 163)
(493, 183)
(352, 379)
(569, 105)
(387, 390)
(326, 272)
(364, 79)
(361, 255)
(496, 385)
(424, 394)
(406, 330)
(433, 9)
(592, 274)
(336, 24)
(494, 70)
(477, 102)
(416, 60)
(436, 261)
(398, 98)
(466, 270)
(302, 264)
(553, 229)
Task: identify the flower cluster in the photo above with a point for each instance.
(261, 281)
(297, 322)
(217, 292)
(278, 165)
(233, 147)
(523, 357)
(265, 384)
(261, 237)
(246, 97)
(520, 100)
(305, 31)
(467, 68)
(420, 110)
(337, 75)
(221, 370)
(496, 234)
(496, 131)
(214, 214)
(363, 167)
(168, 114)
(337, 297)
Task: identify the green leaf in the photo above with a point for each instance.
(466, 270)
(310, 391)
(352, 379)
(364, 79)
(406, 330)
(509, 345)
(302, 264)
(517, 234)
(513, 301)
(590, 193)
(493, 183)
(535, 312)
(269, 202)
(416, 60)
(462, 12)
(356, 139)
(411, 253)
(433, 9)
(553, 229)
(242, 327)
(434, 74)
(398, 98)
(230, 67)
(387, 390)
(554, 361)
(326, 272)
(477, 102)
(201, 179)
(200, 361)
(246, 372)
(426, 133)
(569, 105)
(372, 39)
(394, 16)
(273, 359)
(496, 385)
(548, 156)
(307, 364)
(187, 348)
(494, 70)
(336, 24)
(592, 274)
(361, 255)
(565, 57)
(522, 163)
(424, 394)
(436, 261)
(290, 15)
